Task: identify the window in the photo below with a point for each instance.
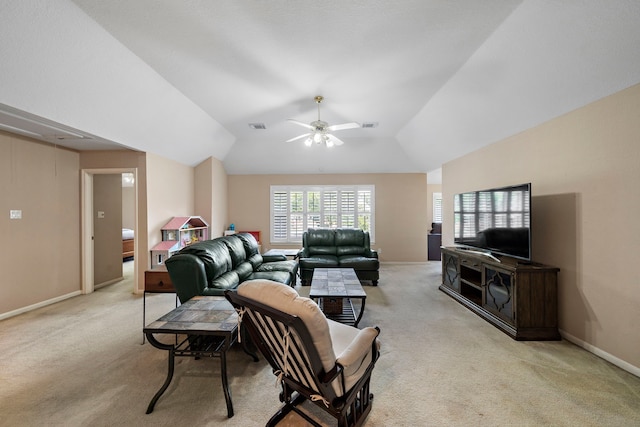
(437, 207)
(294, 209)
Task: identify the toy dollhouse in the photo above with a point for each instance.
(181, 231)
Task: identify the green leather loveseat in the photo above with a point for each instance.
(213, 266)
(338, 248)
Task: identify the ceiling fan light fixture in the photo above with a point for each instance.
(321, 132)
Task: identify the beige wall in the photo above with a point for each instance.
(584, 168)
(170, 192)
(44, 182)
(401, 208)
(211, 195)
(40, 253)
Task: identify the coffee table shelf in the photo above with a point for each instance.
(331, 287)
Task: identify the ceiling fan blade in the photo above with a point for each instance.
(305, 125)
(298, 137)
(344, 126)
(336, 141)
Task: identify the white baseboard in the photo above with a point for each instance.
(38, 305)
(108, 282)
(602, 354)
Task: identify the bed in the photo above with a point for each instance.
(127, 243)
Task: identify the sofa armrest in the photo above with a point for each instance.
(371, 253)
(187, 274)
(303, 253)
(273, 258)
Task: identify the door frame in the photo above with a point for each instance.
(87, 221)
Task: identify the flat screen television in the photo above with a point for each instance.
(495, 221)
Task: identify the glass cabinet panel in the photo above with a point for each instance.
(451, 272)
(498, 295)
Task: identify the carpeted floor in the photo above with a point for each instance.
(81, 362)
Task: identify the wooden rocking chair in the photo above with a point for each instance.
(314, 358)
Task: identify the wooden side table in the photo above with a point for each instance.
(156, 281)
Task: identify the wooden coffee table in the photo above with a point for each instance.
(334, 289)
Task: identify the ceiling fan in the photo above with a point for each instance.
(321, 131)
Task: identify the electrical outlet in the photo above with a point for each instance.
(15, 214)
(379, 250)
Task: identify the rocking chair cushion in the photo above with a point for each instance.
(286, 299)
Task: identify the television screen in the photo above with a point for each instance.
(496, 220)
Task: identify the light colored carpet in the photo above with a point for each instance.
(81, 362)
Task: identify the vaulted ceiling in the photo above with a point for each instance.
(184, 79)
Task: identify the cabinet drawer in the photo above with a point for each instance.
(470, 263)
(158, 281)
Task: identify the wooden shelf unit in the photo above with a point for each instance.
(518, 298)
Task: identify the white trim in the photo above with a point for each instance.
(602, 354)
(107, 283)
(40, 304)
(86, 201)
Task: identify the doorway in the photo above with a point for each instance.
(87, 232)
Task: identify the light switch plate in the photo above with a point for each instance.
(15, 214)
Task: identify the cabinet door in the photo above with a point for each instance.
(451, 271)
(499, 294)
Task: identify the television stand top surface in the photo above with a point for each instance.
(478, 252)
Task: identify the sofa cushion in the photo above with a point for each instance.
(320, 242)
(349, 250)
(250, 243)
(281, 277)
(319, 261)
(359, 262)
(244, 270)
(289, 266)
(228, 280)
(214, 254)
(255, 260)
(348, 237)
(236, 250)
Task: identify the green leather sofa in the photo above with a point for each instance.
(338, 248)
(213, 266)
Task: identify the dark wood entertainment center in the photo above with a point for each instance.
(517, 297)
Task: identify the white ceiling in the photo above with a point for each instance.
(441, 78)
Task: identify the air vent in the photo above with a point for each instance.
(257, 126)
(369, 125)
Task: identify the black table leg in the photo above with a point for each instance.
(170, 348)
(225, 382)
(361, 312)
